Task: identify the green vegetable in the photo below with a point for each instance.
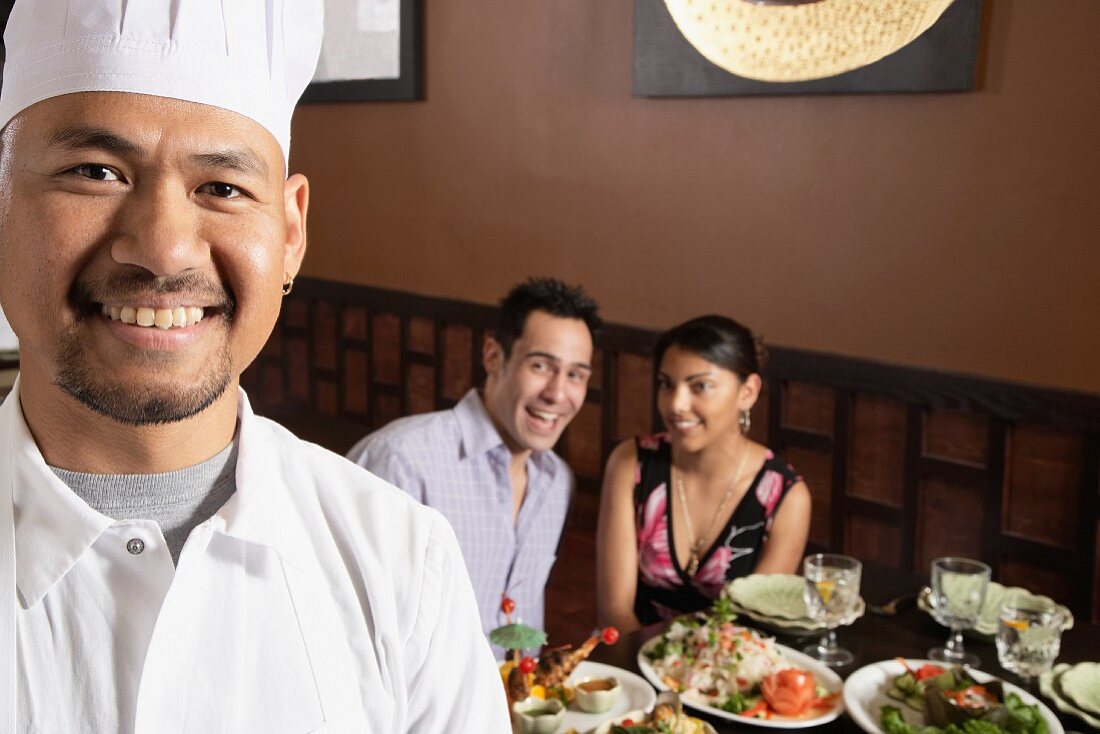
(892, 722)
(737, 703)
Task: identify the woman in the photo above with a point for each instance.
(682, 513)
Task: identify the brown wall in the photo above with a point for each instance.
(956, 231)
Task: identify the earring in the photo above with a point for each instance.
(745, 421)
(288, 284)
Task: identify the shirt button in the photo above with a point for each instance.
(135, 546)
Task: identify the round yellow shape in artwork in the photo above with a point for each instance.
(790, 43)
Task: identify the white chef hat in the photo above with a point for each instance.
(253, 57)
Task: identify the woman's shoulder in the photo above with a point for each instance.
(782, 467)
(653, 443)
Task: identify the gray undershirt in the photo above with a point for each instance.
(177, 501)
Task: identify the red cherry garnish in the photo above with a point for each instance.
(527, 665)
(507, 605)
(627, 722)
(610, 635)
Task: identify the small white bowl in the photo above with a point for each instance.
(535, 716)
(597, 700)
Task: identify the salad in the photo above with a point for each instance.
(714, 662)
(954, 703)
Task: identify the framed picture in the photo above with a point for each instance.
(373, 50)
(942, 59)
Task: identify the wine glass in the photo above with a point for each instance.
(1029, 635)
(831, 593)
(958, 592)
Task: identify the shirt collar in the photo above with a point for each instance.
(480, 435)
(261, 510)
(54, 527)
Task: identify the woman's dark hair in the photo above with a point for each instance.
(543, 294)
(717, 339)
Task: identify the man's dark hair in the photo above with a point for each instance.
(543, 294)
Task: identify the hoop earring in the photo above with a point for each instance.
(745, 421)
(288, 285)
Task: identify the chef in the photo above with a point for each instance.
(170, 562)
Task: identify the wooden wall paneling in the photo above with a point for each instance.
(609, 404)
(841, 432)
(1044, 485)
(910, 501)
(1052, 582)
(387, 406)
(1090, 518)
(816, 469)
(327, 398)
(403, 363)
(994, 491)
(758, 431)
(353, 326)
(272, 386)
(455, 369)
(355, 383)
(634, 388)
(419, 387)
(421, 336)
(877, 450)
(808, 407)
(299, 385)
(325, 330)
(386, 347)
(949, 521)
(957, 436)
(872, 539)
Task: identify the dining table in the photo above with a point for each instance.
(874, 637)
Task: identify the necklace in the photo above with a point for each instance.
(698, 544)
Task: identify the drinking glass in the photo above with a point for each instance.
(831, 593)
(958, 592)
(1029, 635)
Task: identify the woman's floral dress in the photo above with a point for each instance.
(664, 589)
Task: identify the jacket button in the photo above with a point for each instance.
(135, 546)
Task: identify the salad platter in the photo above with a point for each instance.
(887, 698)
(735, 673)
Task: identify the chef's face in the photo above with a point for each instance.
(143, 244)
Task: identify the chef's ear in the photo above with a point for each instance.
(295, 208)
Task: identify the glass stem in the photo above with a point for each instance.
(954, 645)
(828, 641)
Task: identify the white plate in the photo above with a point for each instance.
(636, 694)
(825, 677)
(638, 715)
(865, 695)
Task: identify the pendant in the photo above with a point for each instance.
(693, 565)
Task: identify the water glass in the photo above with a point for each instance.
(1029, 635)
(832, 594)
(958, 592)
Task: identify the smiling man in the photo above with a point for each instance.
(488, 464)
(170, 562)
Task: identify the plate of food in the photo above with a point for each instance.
(735, 673)
(589, 693)
(904, 696)
(666, 717)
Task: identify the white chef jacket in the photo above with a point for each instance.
(319, 598)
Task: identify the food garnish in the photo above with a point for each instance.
(712, 661)
(545, 676)
(951, 702)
